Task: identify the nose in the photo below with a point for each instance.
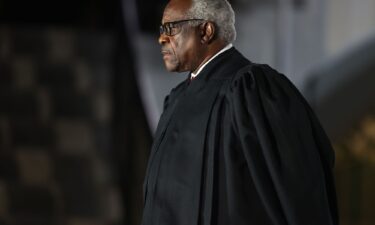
(163, 39)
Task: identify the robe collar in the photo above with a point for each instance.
(221, 67)
(193, 75)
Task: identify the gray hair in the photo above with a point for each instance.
(218, 11)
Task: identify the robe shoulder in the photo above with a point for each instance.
(265, 79)
(288, 154)
(258, 89)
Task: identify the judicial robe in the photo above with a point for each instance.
(239, 145)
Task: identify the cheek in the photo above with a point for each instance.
(172, 61)
(181, 49)
(176, 48)
(175, 57)
(182, 58)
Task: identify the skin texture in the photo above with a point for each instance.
(193, 46)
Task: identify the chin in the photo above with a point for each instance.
(171, 67)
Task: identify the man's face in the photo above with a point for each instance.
(181, 51)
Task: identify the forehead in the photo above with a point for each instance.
(176, 10)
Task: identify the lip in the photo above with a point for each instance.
(166, 56)
(164, 52)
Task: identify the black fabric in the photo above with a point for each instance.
(239, 145)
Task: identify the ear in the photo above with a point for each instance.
(208, 30)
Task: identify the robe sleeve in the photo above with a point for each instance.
(288, 154)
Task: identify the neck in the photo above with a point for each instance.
(211, 51)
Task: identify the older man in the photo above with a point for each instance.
(236, 144)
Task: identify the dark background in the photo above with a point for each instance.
(74, 132)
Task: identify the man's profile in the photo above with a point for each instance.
(237, 144)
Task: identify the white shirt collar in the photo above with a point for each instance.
(205, 64)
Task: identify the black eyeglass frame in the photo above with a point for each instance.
(167, 27)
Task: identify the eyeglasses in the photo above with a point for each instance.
(173, 28)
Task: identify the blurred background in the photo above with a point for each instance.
(82, 85)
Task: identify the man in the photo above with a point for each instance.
(236, 144)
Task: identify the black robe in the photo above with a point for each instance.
(239, 145)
